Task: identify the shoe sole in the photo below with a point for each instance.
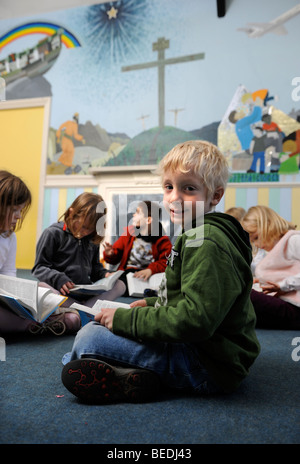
(96, 381)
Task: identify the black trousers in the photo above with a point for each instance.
(274, 313)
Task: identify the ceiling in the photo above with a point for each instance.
(19, 8)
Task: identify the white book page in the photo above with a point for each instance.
(98, 306)
(109, 304)
(155, 280)
(101, 284)
(136, 285)
(23, 289)
(84, 308)
(47, 302)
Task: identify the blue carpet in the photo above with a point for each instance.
(37, 409)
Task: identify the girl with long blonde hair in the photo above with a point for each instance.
(277, 304)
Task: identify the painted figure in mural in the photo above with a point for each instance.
(65, 134)
(263, 94)
(291, 145)
(243, 123)
(257, 149)
(256, 101)
(273, 140)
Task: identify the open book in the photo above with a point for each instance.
(26, 299)
(137, 286)
(102, 285)
(256, 286)
(87, 314)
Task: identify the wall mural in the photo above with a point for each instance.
(129, 79)
(260, 141)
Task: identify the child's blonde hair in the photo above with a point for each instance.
(13, 192)
(237, 212)
(200, 157)
(83, 208)
(266, 222)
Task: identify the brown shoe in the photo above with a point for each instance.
(58, 324)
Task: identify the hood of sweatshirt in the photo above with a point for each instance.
(234, 231)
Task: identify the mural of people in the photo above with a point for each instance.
(65, 134)
(101, 36)
(259, 138)
(244, 122)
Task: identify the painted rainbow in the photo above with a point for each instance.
(67, 38)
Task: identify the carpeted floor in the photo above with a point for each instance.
(37, 409)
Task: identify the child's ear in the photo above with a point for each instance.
(217, 196)
(149, 220)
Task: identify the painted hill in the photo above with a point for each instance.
(150, 146)
(209, 132)
(98, 137)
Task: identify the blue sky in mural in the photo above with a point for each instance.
(90, 80)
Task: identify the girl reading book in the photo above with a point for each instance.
(276, 297)
(15, 201)
(67, 253)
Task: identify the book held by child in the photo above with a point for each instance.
(98, 287)
(87, 314)
(27, 299)
(136, 286)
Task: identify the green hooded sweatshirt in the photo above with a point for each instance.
(204, 300)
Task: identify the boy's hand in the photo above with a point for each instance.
(138, 303)
(108, 249)
(65, 289)
(105, 317)
(144, 274)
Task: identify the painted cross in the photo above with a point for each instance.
(160, 46)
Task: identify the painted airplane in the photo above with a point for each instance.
(275, 26)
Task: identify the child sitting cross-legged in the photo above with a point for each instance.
(198, 335)
(67, 254)
(143, 248)
(276, 299)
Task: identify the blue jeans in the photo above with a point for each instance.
(176, 364)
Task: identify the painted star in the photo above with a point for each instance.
(112, 13)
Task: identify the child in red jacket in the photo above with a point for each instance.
(143, 248)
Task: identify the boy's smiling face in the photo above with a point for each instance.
(182, 191)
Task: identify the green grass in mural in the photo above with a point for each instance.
(150, 146)
(254, 177)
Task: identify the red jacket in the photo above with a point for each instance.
(161, 249)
